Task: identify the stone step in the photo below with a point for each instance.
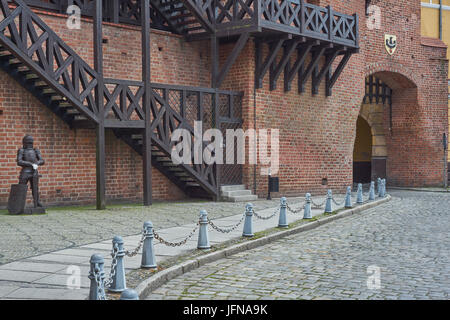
(236, 193)
(232, 188)
(250, 197)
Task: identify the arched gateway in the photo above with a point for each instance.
(394, 136)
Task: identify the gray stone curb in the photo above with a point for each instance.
(162, 277)
(437, 190)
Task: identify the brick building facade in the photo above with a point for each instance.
(317, 132)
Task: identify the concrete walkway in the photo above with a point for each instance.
(46, 276)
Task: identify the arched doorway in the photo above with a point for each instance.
(372, 127)
(362, 152)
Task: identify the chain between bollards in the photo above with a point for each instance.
(175, 244)
(227, 229)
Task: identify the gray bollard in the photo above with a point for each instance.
(381, 192)
(383, 188)
(307, 212)
(148, 252)
(129, 294)
(328, 203)
(97, 274)
(248, 223)
(378, 186)
(372, 191)
(203, 239)
(348, 198)
(119, 282)
(282, 221)
(359, 195)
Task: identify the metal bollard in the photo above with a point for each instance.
(359, 195)
(97, 276)
(203, 239)
(119, 282)
(348, 198)
(248, 225)
(381, 192)
(282, 221)
(328, 203)
(372, 191)
(307, 214)
(378, 186)
(129, 294)
(148, 253)
(383, 188)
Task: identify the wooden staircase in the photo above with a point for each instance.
(41, 62)
(184, 16)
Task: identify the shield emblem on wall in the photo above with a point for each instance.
(390, 42)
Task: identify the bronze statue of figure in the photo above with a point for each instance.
(30, 159)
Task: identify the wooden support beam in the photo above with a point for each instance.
(276, 70)
(289, 73)
(214, 60)
(240, 44)
(147, 98)
(318, 76)
(261, 69)
(304, 75)
(100, 127)
(331, 80)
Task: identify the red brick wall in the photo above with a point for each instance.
(69, 172)
(317, 133)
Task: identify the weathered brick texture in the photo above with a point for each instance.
(317, 133)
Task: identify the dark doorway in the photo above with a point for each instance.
(362, 152)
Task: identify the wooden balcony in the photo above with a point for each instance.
(228, 18)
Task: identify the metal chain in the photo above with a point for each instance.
(134, 252)
(337, 203)
(175, 244)
(224, 230)
(318, 206)
(112, 272)
(268, 217)
(295, 211)
(98, 280)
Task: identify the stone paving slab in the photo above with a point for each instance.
(25, 236)
(47, 273)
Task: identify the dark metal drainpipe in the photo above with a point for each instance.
(440, 19)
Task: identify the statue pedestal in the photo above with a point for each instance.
(39, 210)
(17, 200)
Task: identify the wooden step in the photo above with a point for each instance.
(163, 159)
(48, 91)
(194, 28)
(180, 16)
(40, 84)
(192, 184)
(31, 76)
(187, 22)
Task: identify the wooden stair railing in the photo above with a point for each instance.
(42, 63)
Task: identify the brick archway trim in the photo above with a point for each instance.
(393, 67)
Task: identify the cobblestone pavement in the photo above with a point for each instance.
(407, 238)
(25, 236)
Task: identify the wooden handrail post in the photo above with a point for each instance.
(146, 77)
(100, 127)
